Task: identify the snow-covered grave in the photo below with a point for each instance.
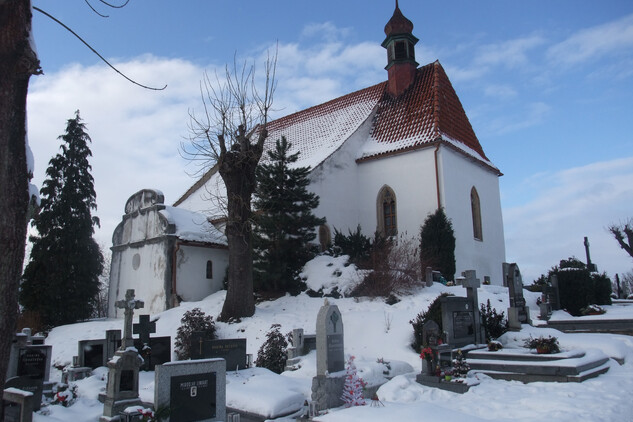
(379, 336)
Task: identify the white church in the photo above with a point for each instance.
(383, 157)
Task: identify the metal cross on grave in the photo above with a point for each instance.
(128, 304)
(144, 328)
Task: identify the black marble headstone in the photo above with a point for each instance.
(159, 351)
(27, 383)
(192, 397)
(32, 362)
(93, 355)
(231, 350)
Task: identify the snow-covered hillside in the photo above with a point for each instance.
(375, 330)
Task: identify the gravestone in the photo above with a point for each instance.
(31, 385)
(17, 405)
(327, 385)
(430, 338)
(428, 276)
(518, 313)
(144, 328)
(461, 321)
(233, 351)
(91, 353)
(192, 390)
(75, 372)
(329, 339)
(28, 359)
(159, 351)
(123, 368)
(112, 343)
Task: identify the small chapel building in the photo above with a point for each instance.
(384, 158)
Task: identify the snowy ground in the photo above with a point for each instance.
(374, 330)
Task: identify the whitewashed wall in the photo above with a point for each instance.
(191, 265)
(458, 176)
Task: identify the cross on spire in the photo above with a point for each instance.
(128, 304)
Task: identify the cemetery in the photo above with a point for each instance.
(103, 360)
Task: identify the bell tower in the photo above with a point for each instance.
(400, 45)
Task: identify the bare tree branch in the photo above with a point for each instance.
(623, 233)
(95, 51)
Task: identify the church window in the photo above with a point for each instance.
(136, 261)
(387, 217)
(325, 237)
(475, 207)
(209, 270)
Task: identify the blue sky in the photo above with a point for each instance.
(547, 86)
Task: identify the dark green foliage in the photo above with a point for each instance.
(284, 225)
(192, 321)
(494, 323)
(356, 245)
(433, 313)
(538, 284)
(437, 244)
(273, 355)
(61, 280)
(602, 289)
(578, 287)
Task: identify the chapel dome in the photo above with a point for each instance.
(398, 24)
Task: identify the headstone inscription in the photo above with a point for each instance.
(192, 390)
(329, 339)
(233, 351)
(123, 368)
(518, 313)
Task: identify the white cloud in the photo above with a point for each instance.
(569, 205)
(532, 115)
(594, 43)
(510, 54)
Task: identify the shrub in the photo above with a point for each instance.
(494, 323)
(192, 321)
(437, 244)
(273, 355)
(433, 313)
(356, 245)
(602, 289)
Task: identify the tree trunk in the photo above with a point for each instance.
(237, 168)
(17, 64)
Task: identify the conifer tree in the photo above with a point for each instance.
(284, 225)
(61, 280)
(437, 244)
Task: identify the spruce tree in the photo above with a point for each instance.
(284, 224)
(61, 281)
(437, 244)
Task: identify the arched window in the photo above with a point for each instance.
(387, 217)
(475, 207)
(209, 270)
(325, 237)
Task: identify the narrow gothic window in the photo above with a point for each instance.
(387, 217)
(325, 237)
(209, 269)
(476, 211)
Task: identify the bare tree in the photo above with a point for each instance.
(230, 134)
(17, 63)
(623, 233)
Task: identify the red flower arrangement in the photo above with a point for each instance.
(427, 353)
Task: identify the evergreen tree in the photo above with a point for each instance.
(284, 225)
(61, 280)
(272, 354)
(437, 244)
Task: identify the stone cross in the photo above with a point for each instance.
(472, 283)
(144, 328)
(128, 304)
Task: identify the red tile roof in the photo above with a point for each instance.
(427, 111)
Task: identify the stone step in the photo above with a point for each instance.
(527, 367)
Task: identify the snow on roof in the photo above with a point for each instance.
(428, 111)
(193, 226)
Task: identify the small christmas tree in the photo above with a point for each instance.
(272, 354)
(460, 366)
(353, 388)
(192, 321)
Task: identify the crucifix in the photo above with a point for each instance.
(128, 304)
